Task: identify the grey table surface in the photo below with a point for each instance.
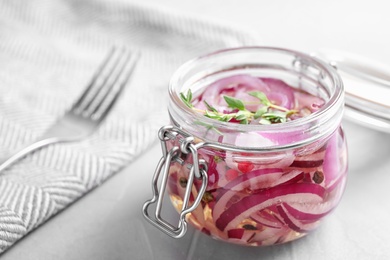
(107, 223)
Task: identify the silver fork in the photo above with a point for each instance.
(90, 109)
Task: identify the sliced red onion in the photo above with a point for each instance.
(253, 139)
(295, 224)
(198, 213)
(312, 155)
(266, 219)
(215, 231)
(331, 165)
(253, 180)
(281, 94)
(336, 188)
(306, 164)
(182, 172)
(311, 102)
(172, 183)
(286, 137)
(270, 236)
(298, 192)
(233, 163)
(290, 178)
(236, 233)
(263, 139)
(241, 235)
(221, 169)
(280, 99)
(250, 182)
(258, 179)
(231, 86)
(309, 212)
(338, 183)
(212, 172)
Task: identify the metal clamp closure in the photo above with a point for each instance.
(197, 170)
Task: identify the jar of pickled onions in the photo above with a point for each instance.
(255, 153)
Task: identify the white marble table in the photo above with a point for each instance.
(107, 223)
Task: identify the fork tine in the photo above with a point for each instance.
(108, 81)
(88, 95)
(115, 86)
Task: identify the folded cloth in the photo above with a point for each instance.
(49, 50)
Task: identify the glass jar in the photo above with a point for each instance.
(274, 190)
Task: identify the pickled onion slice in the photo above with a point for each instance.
(254, 180)
(298, 192)
(281, 94)
(172, 183)
(311, 102)
(267, 219)
(294, 223)
(236, 233)
(270, 236)
(289, 178)
(235, 86)
(212, 172)
(254, 139)
(241, 235)
(331, 165)
(308, 213)
(286, 136)
(307, 164)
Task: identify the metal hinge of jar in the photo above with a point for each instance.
(198, 169)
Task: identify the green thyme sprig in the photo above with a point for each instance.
(187, 99)
(268, 113)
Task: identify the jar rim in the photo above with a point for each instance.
(335, 99)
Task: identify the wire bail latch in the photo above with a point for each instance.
(198, 169)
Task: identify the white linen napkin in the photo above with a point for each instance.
(49, 50)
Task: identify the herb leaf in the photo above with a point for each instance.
(267, 113)
(210, 107)
(261, 96)
(276, 116)
(208, 126)
(234, 103)
(245, 121)
(187, 98)
(211, 114)
(264, 121)
(260, 112)
(244, 116)
(218, 116)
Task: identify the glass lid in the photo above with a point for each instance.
(367, 88)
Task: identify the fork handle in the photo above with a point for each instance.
(26, 150)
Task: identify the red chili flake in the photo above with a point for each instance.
(231, 174)
(245, 167)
